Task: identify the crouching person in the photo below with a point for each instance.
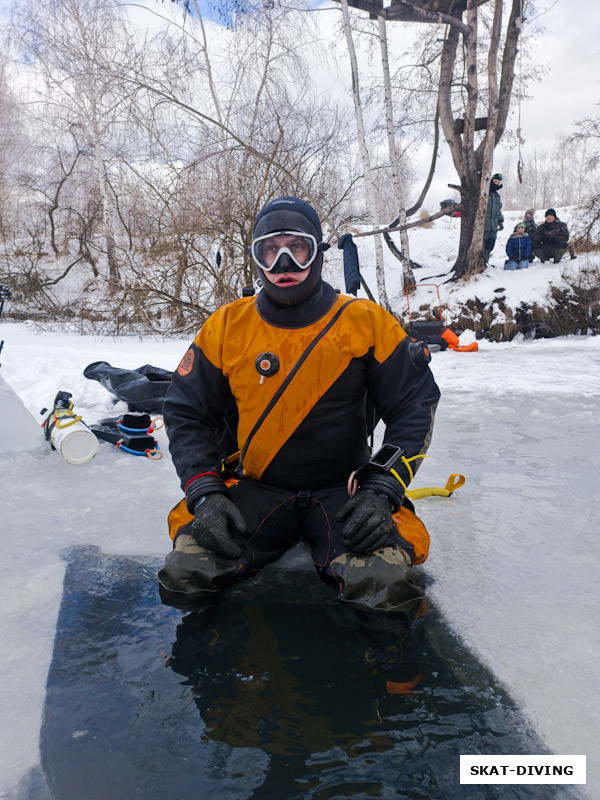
(518, 248)
(550, 239)
(298, 362)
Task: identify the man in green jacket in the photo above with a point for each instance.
(494, 219)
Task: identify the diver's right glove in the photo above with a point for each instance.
(216, 521)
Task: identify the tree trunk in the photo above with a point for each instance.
(469, 205)
(485, 151)
(107, 225)
(370, 193)
(474, 164)
(408, 277)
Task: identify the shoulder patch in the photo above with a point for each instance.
(186, 364)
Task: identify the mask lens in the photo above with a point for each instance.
(301, 247)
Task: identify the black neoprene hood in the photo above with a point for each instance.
(290, 214)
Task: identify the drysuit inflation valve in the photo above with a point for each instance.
(267, 364)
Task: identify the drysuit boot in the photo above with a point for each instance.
(380, 581)
(191, 573)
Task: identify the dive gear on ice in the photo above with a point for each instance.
(140, 443)
(67, 432)
(143, 389)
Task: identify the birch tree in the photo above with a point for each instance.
(408, 277)
(369, 184)
(68, 40)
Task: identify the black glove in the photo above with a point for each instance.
(500, 226)
(216, 520)
(368, 521)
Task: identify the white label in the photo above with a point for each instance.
(522, 769)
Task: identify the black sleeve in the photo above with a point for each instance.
(405, 396)
(193, 411)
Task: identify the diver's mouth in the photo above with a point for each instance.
(286, 280)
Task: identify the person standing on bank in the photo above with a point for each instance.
(550, 239)
(298, 362)
(494, 219)
(518, 248)
(530, 227)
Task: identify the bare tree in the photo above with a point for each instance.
(370, 193)
(69, 40)
(408, 277)
(473, 160)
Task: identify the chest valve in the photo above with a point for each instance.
(267, 364)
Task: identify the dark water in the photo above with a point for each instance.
(276, 693)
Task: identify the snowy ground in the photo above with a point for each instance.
(514, 553)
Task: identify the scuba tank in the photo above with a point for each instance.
(67, 432)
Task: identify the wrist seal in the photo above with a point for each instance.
(202, 485)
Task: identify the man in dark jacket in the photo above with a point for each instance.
(494, 219)
(550, 240)
(298, 361)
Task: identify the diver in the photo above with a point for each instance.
(298, 362)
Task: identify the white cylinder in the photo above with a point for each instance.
(75, 442)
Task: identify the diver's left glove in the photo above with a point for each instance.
(216, 522)
(367, 521)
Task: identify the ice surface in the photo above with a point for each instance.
(18, 428)
(514, 553)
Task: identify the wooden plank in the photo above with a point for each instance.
(397, 12)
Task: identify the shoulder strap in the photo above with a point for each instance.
(289, 379)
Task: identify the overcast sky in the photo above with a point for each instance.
(568, 51)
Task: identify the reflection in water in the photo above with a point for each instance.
(264, 705)
(276, 693)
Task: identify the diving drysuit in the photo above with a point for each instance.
(296, 460)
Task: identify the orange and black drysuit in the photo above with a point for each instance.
(298, 461)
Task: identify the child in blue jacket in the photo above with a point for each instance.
(518, 248)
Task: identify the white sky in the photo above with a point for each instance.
(568, 52)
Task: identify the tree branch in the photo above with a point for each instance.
(416, 224)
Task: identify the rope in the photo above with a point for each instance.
(58, 417)
(520, 139)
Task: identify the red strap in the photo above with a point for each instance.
(200, 475)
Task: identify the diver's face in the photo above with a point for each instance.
(299, 249)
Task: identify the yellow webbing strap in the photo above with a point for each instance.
(455, 481)
(65, 414)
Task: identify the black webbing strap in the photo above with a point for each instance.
(288, 380)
